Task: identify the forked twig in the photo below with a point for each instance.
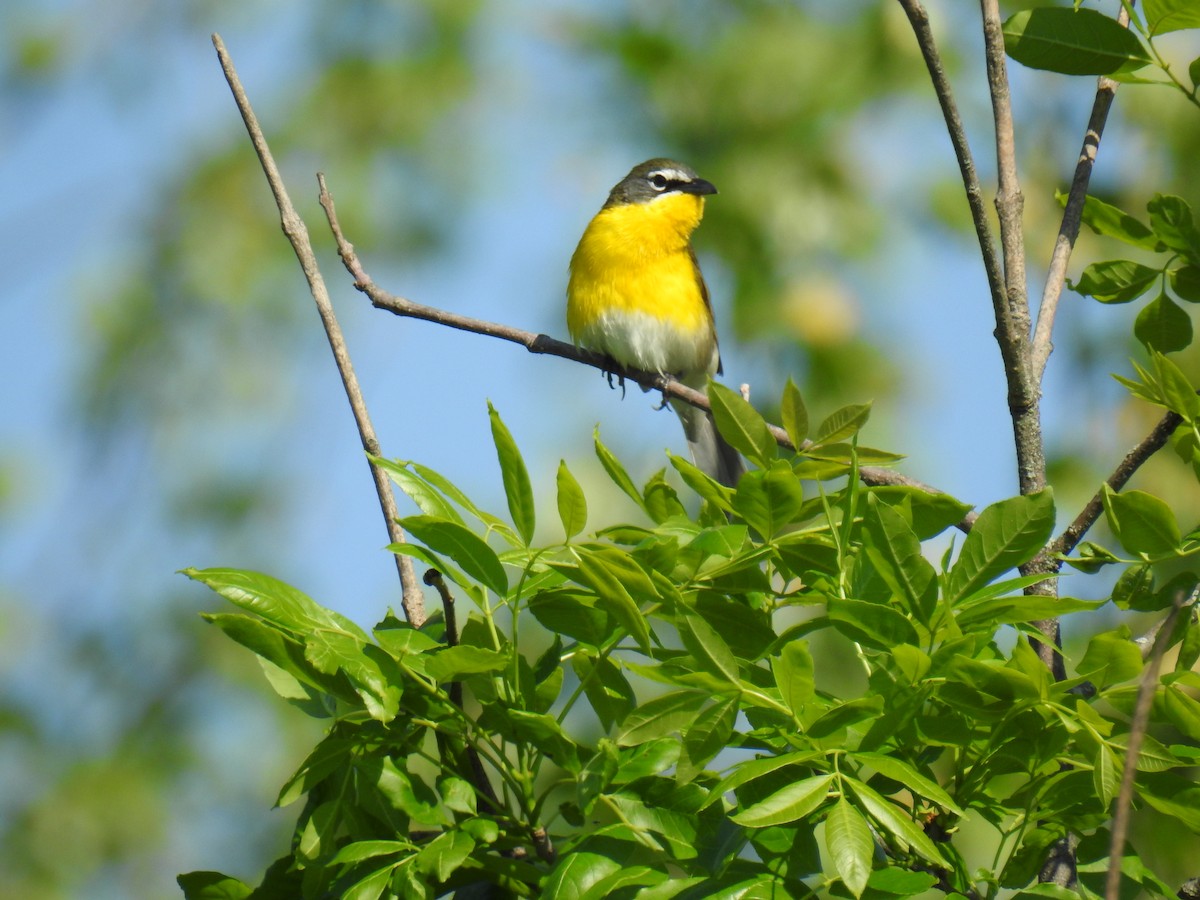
(297, 235)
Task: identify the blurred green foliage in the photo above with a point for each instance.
(187, 338)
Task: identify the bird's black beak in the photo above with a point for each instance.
(699, 186)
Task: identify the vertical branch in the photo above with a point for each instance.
(297, 235)
(1013, 321)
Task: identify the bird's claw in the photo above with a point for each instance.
(620, 381)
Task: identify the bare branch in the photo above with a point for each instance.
(1137, 731)
(1068, 231)
(544, 344)
(919, 19)
(1134, 459)
(297, 234)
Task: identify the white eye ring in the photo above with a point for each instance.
(658, 181)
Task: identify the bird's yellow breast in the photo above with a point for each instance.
(635, 291)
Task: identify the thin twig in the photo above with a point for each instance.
(1137, 731)
(297, 235)
(1134, 459)
(1068, 231)
(544, 344)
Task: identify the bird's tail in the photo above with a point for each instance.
(710, 452)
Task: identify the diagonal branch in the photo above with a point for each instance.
(544, 344)
(1068, 231)
(1133, 460)
(297, 235)
(1137, 732)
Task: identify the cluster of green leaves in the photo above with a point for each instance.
(662, 709)
(1162, 325)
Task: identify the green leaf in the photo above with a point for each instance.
(794, 675)
(708, 735)
(895, 821)
(741, 425)
(1106, 775)
(1172, 221)
(1194, 73)
(704, 486)
(907, 775)
(842, 424)
(895, 552)
(371, 886)
(662, 501)
(1072, 42)
(360, 850)
(1171, 15)
(452, 663)
(795, 801)
(927, 514)
(1181, 711)
(212, 886)
(998, 611)
(445, 853)
(578, 871)
(901, 882)
(543, 732)
(272, 645)
(463, 546)
(1115, 281)
(1106, 219)
(272, 599)
(1172, 795)
(751, 769)
(794, 414)
(1111, 658)
(1189, 644)
(1142, 522)
(428, 499)
(1162, 325)
(517, 488)
(607, 689)
(616, 471)
(1005, 535)
(1135, 589)
(769, 498)
(573, 613)
(449, 490)
(873, 624)
(329, 755)
(1185, 281)
(1178, 393)
(661, 716)
(707, 648)
(572, 504)
(615, 578)
(850, 846)
(844, 715)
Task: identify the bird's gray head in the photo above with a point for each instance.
(655, 178)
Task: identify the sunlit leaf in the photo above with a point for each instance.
(1071, 41)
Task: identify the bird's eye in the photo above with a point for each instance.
(658, 181)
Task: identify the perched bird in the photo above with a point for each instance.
(636, 294)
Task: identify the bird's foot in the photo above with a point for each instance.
(620, 380)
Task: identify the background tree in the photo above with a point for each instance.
(170, 336)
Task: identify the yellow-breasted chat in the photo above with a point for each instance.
(636, 294)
